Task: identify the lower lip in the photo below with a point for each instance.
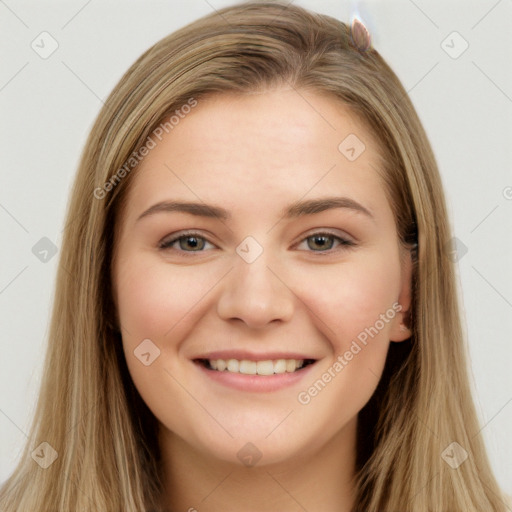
(256, 383)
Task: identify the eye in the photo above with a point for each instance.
(324, 241)
(321, 242)
(190, 240)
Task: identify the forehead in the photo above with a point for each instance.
(273, 147)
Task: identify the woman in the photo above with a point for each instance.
(266, 368)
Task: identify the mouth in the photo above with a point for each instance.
(260, 368)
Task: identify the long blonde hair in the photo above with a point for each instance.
(88, 409)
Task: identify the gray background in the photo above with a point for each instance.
(464, 100)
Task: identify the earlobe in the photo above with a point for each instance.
(400, 333)
(404, 333)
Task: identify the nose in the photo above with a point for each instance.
(256, 294)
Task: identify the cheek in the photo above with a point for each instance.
(348, 299)
(154, 301)
(353, 306)
(162, 305)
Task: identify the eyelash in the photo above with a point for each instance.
(344, 242)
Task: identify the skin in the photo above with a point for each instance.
(254, 155)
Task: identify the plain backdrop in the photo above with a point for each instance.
(454, 59)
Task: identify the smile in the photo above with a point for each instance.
(263, 368)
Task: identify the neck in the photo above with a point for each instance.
(323, 481)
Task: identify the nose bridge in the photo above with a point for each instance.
(253, 292)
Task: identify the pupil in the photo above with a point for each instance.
(192, 241)
(320, 240)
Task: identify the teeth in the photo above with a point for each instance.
(265, 367)
(256, 367)
(283, 365)
(290, 365)
(247, 367)
(233, 366)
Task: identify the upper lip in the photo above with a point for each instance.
(252, 356)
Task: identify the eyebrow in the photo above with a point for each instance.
(298, 209)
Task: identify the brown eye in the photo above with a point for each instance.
(193, 242)
(187, 242)
(323, 242)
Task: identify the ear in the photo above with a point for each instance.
(401, 326)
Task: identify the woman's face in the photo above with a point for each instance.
(296, 260)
